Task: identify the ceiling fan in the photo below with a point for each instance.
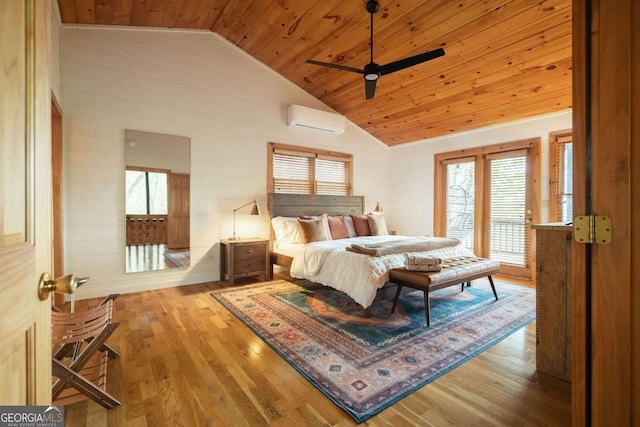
(373, 71)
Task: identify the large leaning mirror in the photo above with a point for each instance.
(157, 201)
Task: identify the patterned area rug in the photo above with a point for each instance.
(178, 259)
(365, 365)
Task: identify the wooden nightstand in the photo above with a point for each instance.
(244, 258)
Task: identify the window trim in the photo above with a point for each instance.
(277, 148)
(556, 171)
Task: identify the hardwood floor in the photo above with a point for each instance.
(148, 258)
(186, 361)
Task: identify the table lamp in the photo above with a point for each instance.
(254, 211)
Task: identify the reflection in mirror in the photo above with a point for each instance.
(157, 201)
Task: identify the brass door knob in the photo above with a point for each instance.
(66, 284)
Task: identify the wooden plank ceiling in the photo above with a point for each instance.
(505, 59)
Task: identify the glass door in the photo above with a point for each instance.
(508, 211)
(460, 198)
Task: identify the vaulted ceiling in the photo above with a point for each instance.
(505, 59)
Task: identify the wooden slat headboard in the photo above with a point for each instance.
(281, 204)
(293, 205)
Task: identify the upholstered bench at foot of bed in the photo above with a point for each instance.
(455, 271)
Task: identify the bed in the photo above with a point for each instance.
(332, 262)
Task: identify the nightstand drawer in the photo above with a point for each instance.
(253, 251)
(244, 266)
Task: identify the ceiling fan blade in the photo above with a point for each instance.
(336, 66)
(411, 61)
(369, 88)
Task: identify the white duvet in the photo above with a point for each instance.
(359, 276)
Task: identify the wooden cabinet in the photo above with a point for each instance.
(553, 299)
(244, 258)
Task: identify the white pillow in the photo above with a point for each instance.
(286, 229)
(351, 228)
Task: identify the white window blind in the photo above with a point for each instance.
(293, 174)
(508, 180)
(332, 177)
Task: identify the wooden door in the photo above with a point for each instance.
(178, 226)
(605, 277)
(25, 202)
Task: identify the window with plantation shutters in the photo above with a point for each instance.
(561, 177)
(302, 170)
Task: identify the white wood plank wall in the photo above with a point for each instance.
(189, 83)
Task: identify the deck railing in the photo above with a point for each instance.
(508, 240)
(146, 229)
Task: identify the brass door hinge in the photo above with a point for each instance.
(592, 229)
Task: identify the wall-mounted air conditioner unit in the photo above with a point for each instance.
(309, 118)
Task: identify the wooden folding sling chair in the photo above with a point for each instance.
(79, 363)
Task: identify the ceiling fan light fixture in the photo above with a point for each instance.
(371, 71)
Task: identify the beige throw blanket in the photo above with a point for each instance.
(422, 263)
(403, 246)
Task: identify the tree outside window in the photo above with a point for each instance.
(147, 193)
